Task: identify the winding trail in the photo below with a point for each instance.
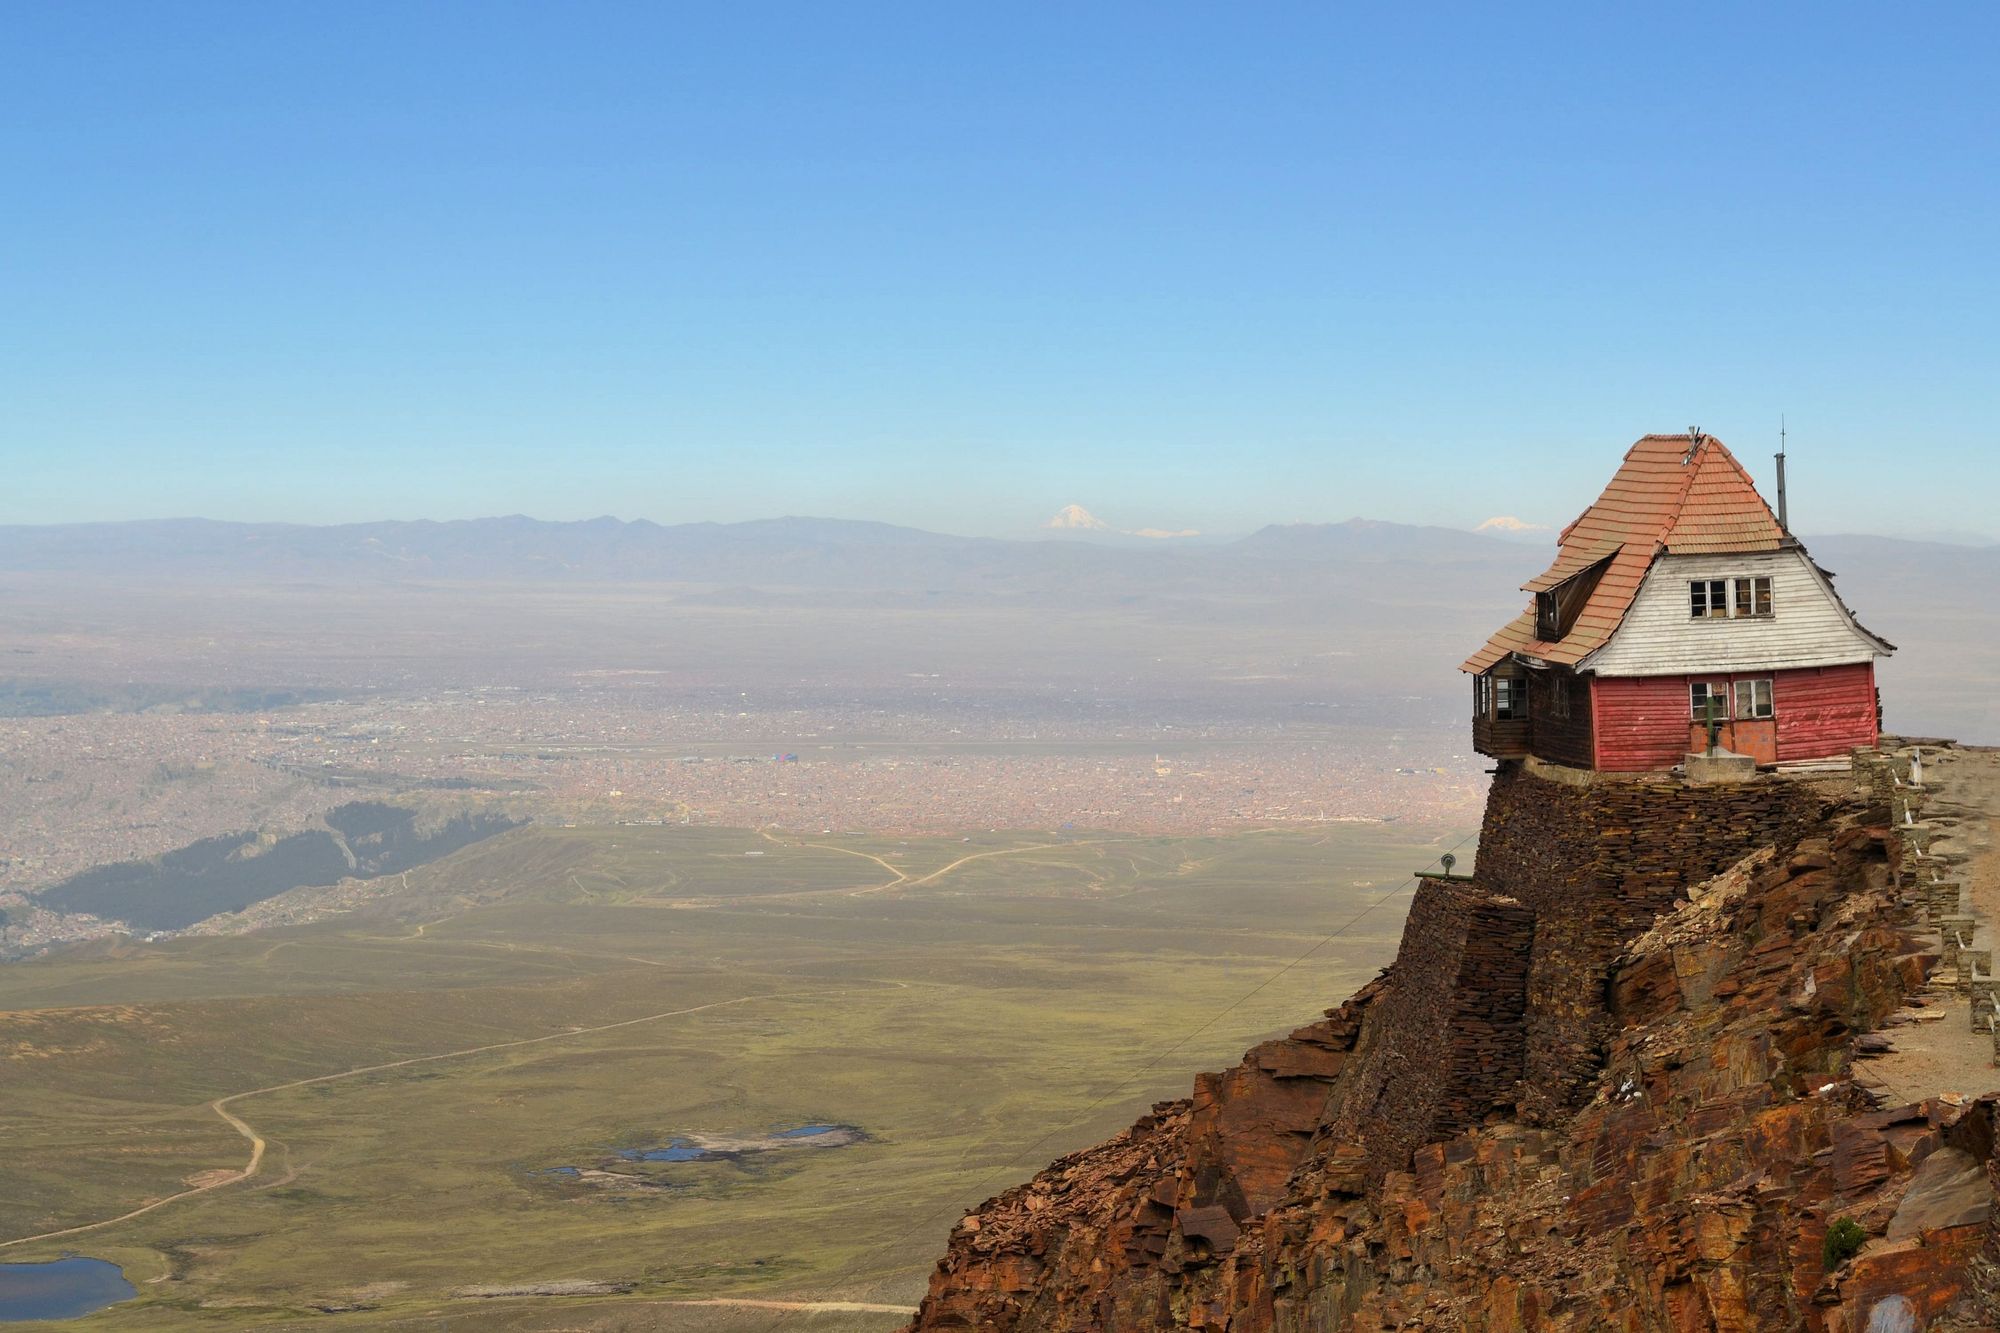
(942, 871)
(258, 1144)
(903, 877)
(844, 1307)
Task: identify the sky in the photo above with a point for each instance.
(954, 265)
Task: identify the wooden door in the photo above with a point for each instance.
(1758, 739)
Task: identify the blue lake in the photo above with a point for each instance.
(680, 1150)
(691, 1150)
(61, 1289)
(707, 1148)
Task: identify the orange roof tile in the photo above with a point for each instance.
(1679, 494)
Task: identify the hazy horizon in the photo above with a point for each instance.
(1496, 527)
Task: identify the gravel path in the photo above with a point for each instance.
(1945, 1054)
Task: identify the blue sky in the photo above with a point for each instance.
(1190, 265)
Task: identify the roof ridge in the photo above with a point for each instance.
(1743, 473)
(1689, 470)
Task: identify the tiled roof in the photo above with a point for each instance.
(1679, 494)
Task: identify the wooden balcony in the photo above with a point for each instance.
(1501, 739)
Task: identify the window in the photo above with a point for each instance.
(1741, 598)
(1559, 697)
(1753, 597)
(1753, 700)
(1700, 692)
(1548, 617)
(1502, 698)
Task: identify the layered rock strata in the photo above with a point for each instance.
(1603, 1086)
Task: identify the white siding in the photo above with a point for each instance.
(1660, 638)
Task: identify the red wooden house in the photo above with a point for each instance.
(1678, 587)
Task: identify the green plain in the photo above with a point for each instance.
(973, 1019)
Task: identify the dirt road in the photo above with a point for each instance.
(257, 1143)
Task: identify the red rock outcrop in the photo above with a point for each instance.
(1579, 1099)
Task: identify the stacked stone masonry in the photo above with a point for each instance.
(1597, 860)
(1446, 1037)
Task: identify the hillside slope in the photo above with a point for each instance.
(1579, 1099)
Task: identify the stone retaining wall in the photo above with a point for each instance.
(1443, 1048)
(1597, 862)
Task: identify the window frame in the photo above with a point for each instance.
(1702, 601)
(1751, 597)
(1510, 699)
(1743, 597)
(1763, 705)
(1698, 712)
(1548, 617)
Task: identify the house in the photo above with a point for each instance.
(1677, 601)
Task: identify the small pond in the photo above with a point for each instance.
(60, 1289)
(711, 1148)
(677, 1150)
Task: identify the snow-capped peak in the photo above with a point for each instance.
(1075, 518)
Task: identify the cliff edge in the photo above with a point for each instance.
(1619, 1078)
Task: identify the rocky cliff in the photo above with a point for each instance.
(1612, 1081)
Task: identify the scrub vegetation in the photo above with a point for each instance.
(550, 996)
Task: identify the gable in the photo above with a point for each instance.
(1808, 627)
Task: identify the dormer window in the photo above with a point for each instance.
(1741, 598)
(1548, 617)
(1557, 608)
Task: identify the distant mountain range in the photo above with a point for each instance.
(781, 552)
(1908, 589)
(768, 561)
(1400, 603)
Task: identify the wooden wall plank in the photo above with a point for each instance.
(1660, 638)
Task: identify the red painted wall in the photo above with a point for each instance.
(1826, 711)
(1642, 722)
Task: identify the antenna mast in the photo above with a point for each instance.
(1784, 520)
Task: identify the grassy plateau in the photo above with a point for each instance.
(409, 1076)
